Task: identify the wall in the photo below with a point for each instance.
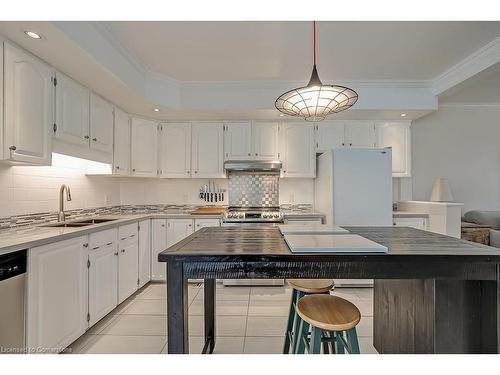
(461, 143)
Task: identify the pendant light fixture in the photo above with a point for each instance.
(316, 101)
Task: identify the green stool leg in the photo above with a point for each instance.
(289, 326)
(296, 339)
(352, 340)
(339, 343)
(315, 346)
(302, 332)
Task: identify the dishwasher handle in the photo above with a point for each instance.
(12, 264)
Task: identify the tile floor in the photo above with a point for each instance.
(249, 320)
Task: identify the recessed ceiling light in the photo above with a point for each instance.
(156, 109)
(281, 115)
(33, 35)
(403, 114)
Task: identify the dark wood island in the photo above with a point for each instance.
(432, 293)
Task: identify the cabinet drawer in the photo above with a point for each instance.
(126, 231)
(102, 238)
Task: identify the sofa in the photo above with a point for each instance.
(490, 218)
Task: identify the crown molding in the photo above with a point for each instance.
(469, 105)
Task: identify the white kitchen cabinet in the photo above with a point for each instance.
(57, 297)
(297, 150)
(412, 222)
(128, 247)
(121, 154)
(144, 148)
(265, 140)
(207, 150)
(339, 134)
(238, 140)
(28, 107)
(396, 135)
(101, 124)
(203, 223)
(175, 157)
(144, 252)
(158, 244)
(72, 112)
(103, 280)
(178, 229)
(330, 134)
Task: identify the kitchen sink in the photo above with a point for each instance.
(78, 223)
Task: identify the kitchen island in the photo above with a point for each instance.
(433, 293)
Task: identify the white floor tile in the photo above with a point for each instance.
(263, 345)
(266, 326)
(365, 306)
(271, 293)
(136, 325)
(364, 293)
(260, 307)
(108, 344)
(223, 307)
(100, 325)
(147, 307)
(229, 293)
(366, 345)
(365, 327)
(223, 345)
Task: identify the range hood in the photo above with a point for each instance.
(270, 166)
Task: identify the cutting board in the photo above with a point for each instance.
(332, 243)
(209, 211)
(311, 229)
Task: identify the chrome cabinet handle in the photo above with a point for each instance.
(86, 137)
(117, 167)
(123, 250)
(12, 148)
(249, 154)
(256, 154)
(109, 243)
(85, 245)
(187, 172)
(94, 139)
(116, 253)
(133, 169)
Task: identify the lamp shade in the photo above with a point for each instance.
(441, 191)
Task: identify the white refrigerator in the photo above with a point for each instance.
(353, 187)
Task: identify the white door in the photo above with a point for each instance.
(29, 107)
(57, 294)
(238, 140)
(121, 154)
(158, 244)
(396, 135)
(103, 281)
(144, 252)
(203, 223)
(176, 150)
(330, 135)
(360, 134)
(72, 112)
(178, 229)
(144, 154)
(101, 124)
(127, 267)
(297, 150)
(265, 140)
(207, 150)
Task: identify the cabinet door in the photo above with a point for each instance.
(417, 222)
(127, 267)
(207, 150)
(158, 244)
(203, 223)
(360, 134)
(103, 281)
(121, 154)
(297, 150)
(396, 135)
(144, 252)
(72, 112)
(265, 140)
(144, 155)
(29, 107)
(330, 135)
(176, 150)
(101, 124)
(57, 294)
(238, 141)
(178, 229)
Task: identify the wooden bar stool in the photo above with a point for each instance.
(328, 316)
(301, 287)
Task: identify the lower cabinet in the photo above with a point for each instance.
(178, 229)
(144, 252)
(158, 244)
(202, 223)
(57, 294)
(412, 222)
(128, 256)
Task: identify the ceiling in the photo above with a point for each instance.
(247, 51)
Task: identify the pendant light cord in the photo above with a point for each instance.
(314, 43)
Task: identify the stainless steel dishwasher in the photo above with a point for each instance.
(12, 301)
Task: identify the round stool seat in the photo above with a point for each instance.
(328, 312)
(311, 285)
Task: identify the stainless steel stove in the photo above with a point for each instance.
(253, 215)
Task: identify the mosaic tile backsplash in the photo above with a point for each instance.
(253, 190)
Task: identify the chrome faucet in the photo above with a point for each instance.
(62, 216)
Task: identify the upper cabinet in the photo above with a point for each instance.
(207, 150)
(121, 154)
(397, 136)
(29, 107)
(296, 150)
(339, 134)
(175, 150)
(101, 124)
(144, 149)
(247, 140)
(72, 111)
